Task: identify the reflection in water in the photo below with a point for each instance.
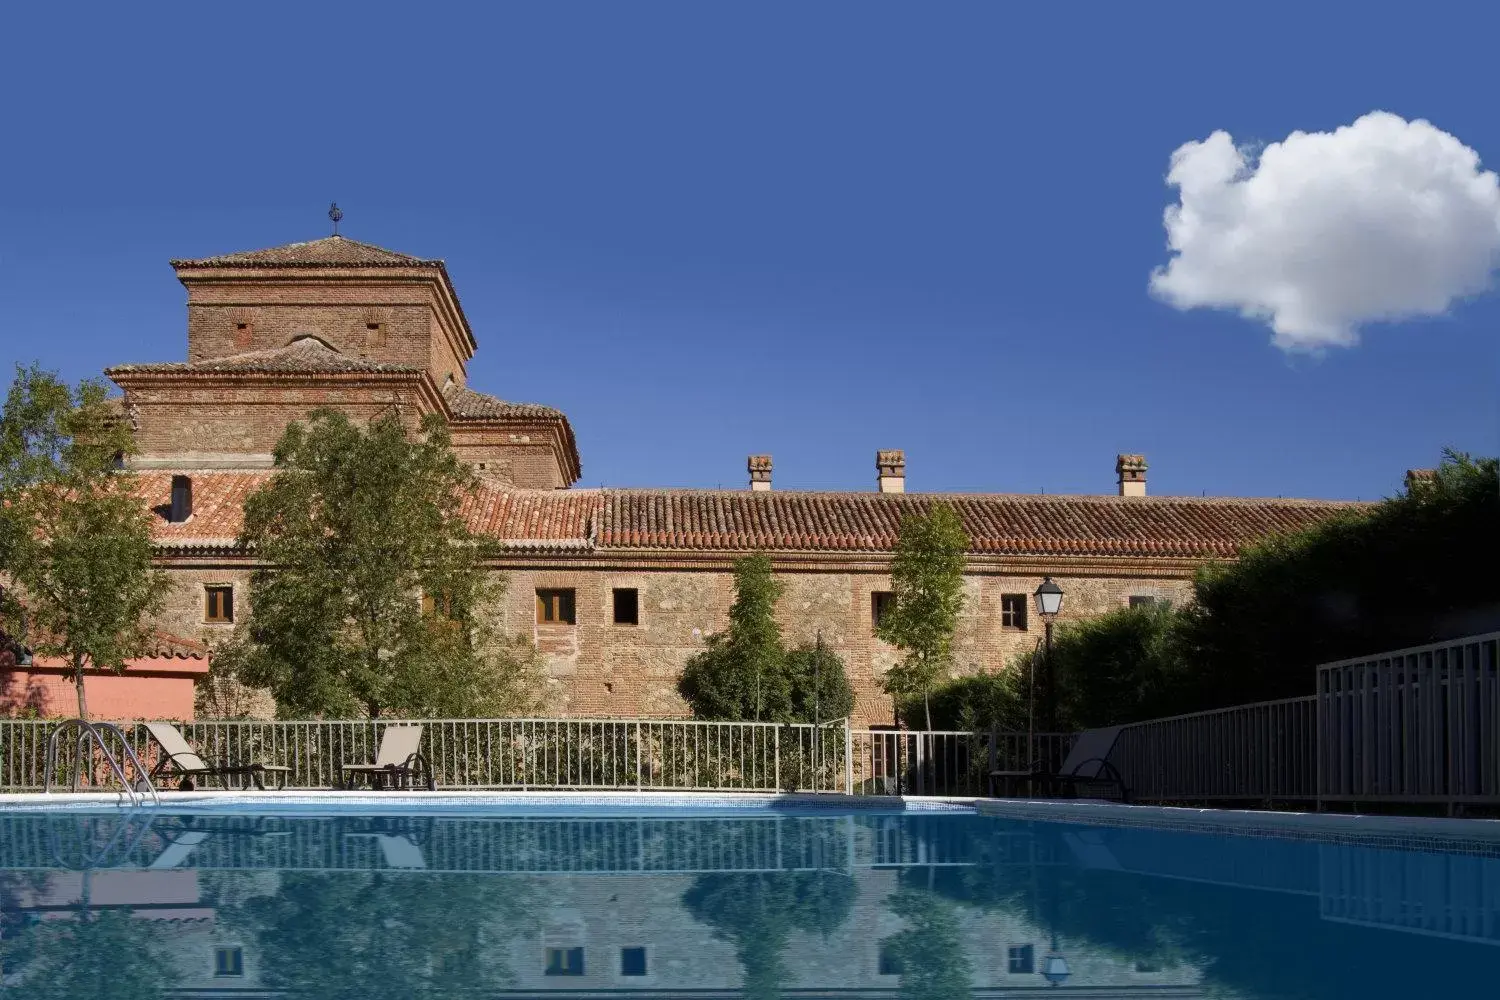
(761, 905)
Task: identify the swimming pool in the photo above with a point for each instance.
(574, 898)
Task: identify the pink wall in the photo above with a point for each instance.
(158, 687)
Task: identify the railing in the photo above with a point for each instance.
(1412, 725)
(944, 762)
(1261, 752)
(80, 749)
(635, 754)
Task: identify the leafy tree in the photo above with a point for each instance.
(758, 913)
(1401, 574)
(930, 951)
(742, 674)
(375, 598)
(927, 575)
(75, 532)
(110, 954)
(819, 684)
(747, 674)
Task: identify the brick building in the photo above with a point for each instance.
(617, 586)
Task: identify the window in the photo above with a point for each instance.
(1146, 601)
(229, 962)
(440, 604)
(1013, 611)
(890, 963)
(564, 962)
(555, 607)
(218, 603)
(1146, 965)
(244, 335)
(1022, 958)
(374, 335)
(632, 961)
(627, 606)
(882, 602)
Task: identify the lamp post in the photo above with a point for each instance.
(1054, 967)
(1049, 597)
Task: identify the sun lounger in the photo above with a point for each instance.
(399, 761)
(182, 761)
(1087, 764)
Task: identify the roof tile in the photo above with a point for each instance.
(737, 521)
(305, 355)
(330, 251)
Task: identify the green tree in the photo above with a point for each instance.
(75, 531)
(374, 597)
(1402, 573)
(111, 954)
(742, 674)
(927, 576)
(758, 913)
(929, 952)
(819, 684)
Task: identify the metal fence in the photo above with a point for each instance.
(593, 754)
(1260, 752)
(1412, 725)
(944, 762)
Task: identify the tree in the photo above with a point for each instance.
(742, 674)
(374, 597)
(930, 951)
(927, 576)
(75, 531)
(819, 684)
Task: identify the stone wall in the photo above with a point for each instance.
(237, 423)
(231, 317)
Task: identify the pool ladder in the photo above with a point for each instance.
(93, 733)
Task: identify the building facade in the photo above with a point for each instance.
(618, 587)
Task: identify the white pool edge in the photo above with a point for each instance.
(1335, 826)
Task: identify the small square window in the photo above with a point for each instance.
(438, 604)
(1022, 958)
(882, 603)
(218, 604)
(632, 961)
(374, 335)
(555, 607)
(627, 606)
(564, 962)
(1013, 611)
(890, 963)
(229, 962)
(1147, 601)
(244, 335)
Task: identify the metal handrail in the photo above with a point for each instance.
(95, 730)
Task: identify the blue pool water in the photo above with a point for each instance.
(754, 903)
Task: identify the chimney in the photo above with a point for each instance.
(1131, 469)
(1419, 479)
(892, 468)
(182, 499)
(760, 473)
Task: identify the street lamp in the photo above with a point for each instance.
(1049, 597)
(1054, 967)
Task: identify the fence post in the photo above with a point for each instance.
(776, 757)
(640, 768)
(848, 757)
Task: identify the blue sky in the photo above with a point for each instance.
(814, 230)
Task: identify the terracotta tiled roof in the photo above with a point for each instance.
(330, 251)
(470, 405)
(305, 355)
(737, 521)
(159, 645)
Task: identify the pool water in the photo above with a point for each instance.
(758, 903)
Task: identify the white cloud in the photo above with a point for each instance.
(1325, 231)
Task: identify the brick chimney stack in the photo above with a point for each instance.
(1131, 470)
(1417, 479)
(891, 465)
(760, 473)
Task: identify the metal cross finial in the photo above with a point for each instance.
(335, 214)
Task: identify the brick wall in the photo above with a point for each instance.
(240, 421)
(413, 329)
